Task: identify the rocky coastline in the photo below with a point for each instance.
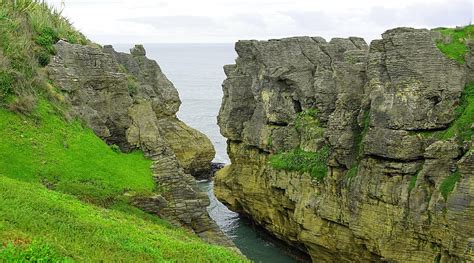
(349, 151)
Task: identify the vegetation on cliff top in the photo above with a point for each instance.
(37, 224)
(28, 30)
(314, 163)
(455, 41)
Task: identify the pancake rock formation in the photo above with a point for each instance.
(350, 152)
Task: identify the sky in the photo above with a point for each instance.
(226, 21)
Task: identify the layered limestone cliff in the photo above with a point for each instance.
(128, 102)
(352, 152)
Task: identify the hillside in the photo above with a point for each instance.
(71, 184)
(39, 224)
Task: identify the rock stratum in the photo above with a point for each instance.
(396, 182)
(129, 102)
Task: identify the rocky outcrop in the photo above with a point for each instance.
(399, 184)
(127, 101)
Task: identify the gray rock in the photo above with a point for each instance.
(380, 110)
(128, 101)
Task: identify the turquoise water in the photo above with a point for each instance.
(196, 71)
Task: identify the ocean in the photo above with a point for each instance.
(197, 72)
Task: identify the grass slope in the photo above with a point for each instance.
(68, 158)
(40, 224)
(455, 43)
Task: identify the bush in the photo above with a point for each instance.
(132, 86)
(314, 163)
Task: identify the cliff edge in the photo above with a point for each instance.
(353, 152)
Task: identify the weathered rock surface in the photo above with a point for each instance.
(128, 101)
(379, 110)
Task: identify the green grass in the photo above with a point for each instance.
(28, 30)
(307, 122)
(306, 117)
(69, 158)
(457, 47)
(412, 184)
(447, 185)
(462, 125)
(40, 224)
(358, 147)
(351, 173)
(314, 163)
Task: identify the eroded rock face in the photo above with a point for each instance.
(380, 110)
(128, 101)
(102, 85)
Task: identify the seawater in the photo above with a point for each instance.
(197, 73)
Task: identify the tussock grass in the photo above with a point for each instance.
(28, 30)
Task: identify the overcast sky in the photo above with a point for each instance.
(226, 21)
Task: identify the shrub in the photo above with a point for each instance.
(314, 163)
(132, 86)
(115, 148)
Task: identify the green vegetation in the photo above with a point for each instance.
(456, 47)
(352, 172)
(462, 125)
(39, 224)
(314, 163)
(307, 122)
(412, 184)
(132, 85)
(447, 186)
(68, 158)
(306, 117)
(28, 30)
